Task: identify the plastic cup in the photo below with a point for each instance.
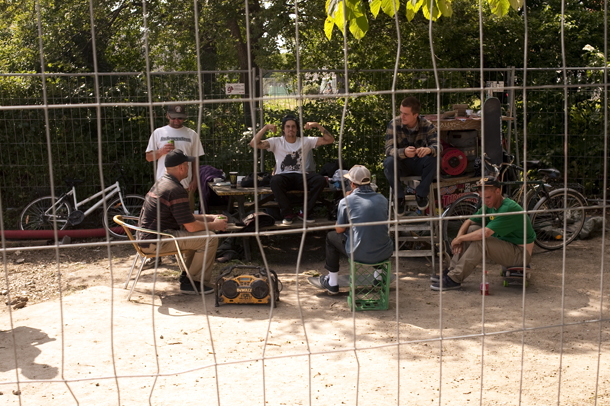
(233, 179)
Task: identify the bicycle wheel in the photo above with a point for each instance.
(552, 211)
(132, 207)
(38, 215)
(465, 205)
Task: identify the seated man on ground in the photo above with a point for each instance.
(369, 244)
(415, 152)
(504, 237)
(172, 200)
(291, 153)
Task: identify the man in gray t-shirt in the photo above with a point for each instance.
(368, 244)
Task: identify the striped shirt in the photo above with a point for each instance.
(423, 135)
(174, 207)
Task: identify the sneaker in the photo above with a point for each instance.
(435, 278)
(400, 207)
(332, 290)
(422, 202)
(150, 262)
(448, 284)
(302, 218)
(187, 289)
(288, 220)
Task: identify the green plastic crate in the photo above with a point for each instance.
(366, 292)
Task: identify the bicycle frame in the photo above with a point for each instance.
(110, 192)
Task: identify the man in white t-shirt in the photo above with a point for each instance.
(291, 154)
(176, 136)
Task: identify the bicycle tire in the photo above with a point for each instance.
(549, 216)
(132, 207)
(465, 205)
(33, 217)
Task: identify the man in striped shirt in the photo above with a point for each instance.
(171, 200)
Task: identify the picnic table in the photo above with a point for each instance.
(244, 197)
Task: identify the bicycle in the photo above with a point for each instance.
(45, 213)
(549, 206)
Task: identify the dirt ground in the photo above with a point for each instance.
(544, 347)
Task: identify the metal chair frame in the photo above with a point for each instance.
(143, 256)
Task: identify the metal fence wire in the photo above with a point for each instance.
(160, 350)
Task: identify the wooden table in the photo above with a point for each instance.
(240, 194)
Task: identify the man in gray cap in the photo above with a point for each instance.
(369, 244)
(170, 198)
(175, 135)
(506, 237)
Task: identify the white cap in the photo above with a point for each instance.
(359, 175)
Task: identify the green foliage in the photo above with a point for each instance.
(353, 13)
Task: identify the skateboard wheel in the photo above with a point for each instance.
(527, 284)
(505, 284)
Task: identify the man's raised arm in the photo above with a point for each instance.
(262, 144)
(326, 138)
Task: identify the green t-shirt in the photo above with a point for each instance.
(507, 228)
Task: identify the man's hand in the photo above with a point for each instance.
(313, 124)
(272, 128)
(220, 224)
(456, 246)
(423, 151)
(193, 185)
(167, 148)
(410, 152)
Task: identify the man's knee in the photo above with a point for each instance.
(388, 162)
(473, 227)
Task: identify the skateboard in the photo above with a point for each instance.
(343, 280)
(514, 276)
(492, 130)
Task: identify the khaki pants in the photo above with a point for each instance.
(197, 258)
(501, 252)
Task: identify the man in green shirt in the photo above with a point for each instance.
(505, 237)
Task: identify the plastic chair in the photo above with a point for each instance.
(143, 256)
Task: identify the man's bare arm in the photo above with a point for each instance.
(156, 154)
(327, 137)
(257, 142)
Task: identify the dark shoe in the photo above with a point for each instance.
(434, 278)
(448, 284)
(400, 207)
(422, 202)
(288, 220)
(332, 290)
(302, 218)
(150, 262)
(187, 289)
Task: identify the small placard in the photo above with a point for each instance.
(235, 88)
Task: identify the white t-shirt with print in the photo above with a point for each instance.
(184, 138)
(289, 157)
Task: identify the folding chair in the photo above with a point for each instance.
(143, 256)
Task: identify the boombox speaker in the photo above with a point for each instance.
(243, 284)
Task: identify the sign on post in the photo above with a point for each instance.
(235, 88)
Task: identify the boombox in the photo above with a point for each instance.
(243, 284)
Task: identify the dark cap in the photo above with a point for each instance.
(177, 111)
(177, 157)
(489, 181)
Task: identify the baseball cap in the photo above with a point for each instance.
(489, 181)
(176, 111)
(359, 175)
(177, 157)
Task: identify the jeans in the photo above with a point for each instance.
(284, 182)
(424, 167)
